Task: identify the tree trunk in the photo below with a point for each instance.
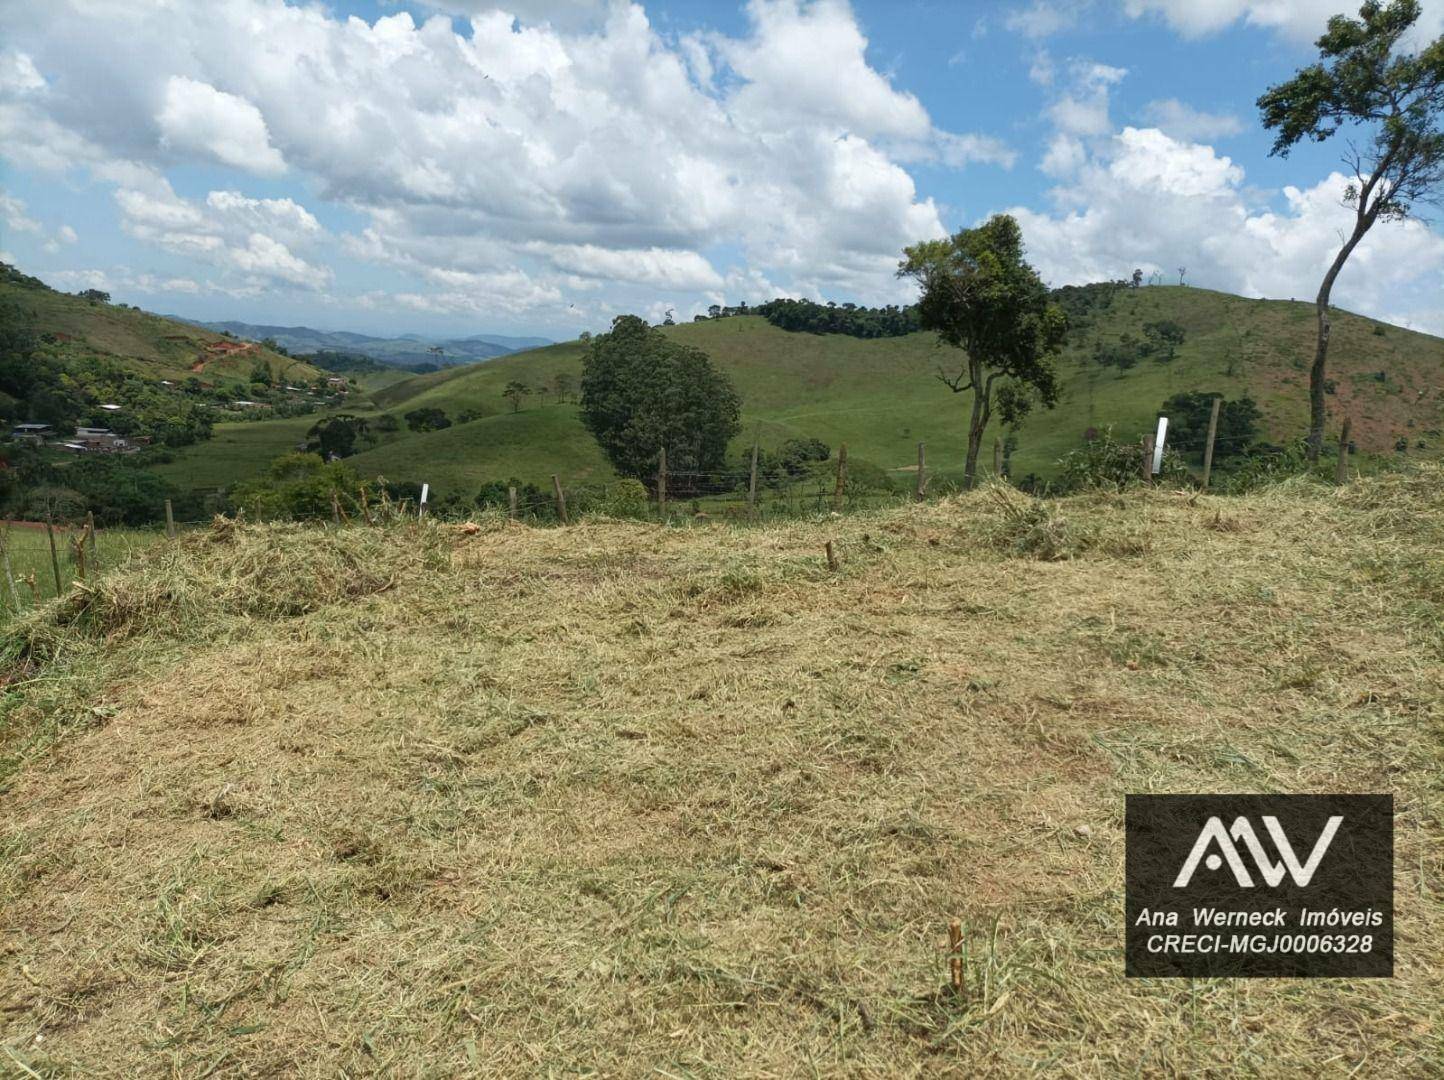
(976, 425)
(1321, 348)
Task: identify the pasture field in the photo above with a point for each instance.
(629, 799)
(881, 396)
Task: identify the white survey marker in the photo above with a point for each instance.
(426, 488)
(1157, 445)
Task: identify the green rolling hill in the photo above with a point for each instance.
(152, 346)
(881, 396)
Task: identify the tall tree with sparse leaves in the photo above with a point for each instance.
(980, 295)
(1368, 84)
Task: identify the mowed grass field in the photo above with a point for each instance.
(882, 398)
(626, 799)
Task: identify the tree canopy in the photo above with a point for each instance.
(642, 392)
(980, 296)
(1368, 82)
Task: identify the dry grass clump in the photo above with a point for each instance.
(257, 571)
(637, 800)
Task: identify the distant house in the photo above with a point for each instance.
(111, 408)
(101, 440)
(336, 382)
(250, 405)
(35, 433)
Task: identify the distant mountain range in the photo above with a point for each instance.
(409, 350)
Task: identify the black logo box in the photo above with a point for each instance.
(1355, 874)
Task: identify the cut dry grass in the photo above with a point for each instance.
(638, 800)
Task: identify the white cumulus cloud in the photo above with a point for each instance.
(195, 116)
(1145, 199)
(561, 150)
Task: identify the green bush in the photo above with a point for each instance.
(1107, 463)
(624, 499)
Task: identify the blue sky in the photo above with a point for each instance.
(449, 168)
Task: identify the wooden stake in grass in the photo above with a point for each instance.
(78, 543)
(561, 499)
(54, 558)
(1148, 459)
(169, 520)
(955, 955)
(832, 563)
(1208, 446)
(840, 491)
(922, 485)
(662, 484)
(1342, 472)
(9, 573)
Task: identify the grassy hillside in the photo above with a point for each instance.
(152, 346)
(881, 397)
(637, 800)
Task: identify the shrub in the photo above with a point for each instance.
(624, 499)
(1107, 463)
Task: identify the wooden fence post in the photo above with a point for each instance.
(90, 535)
(840, 491)
(831, 556)
(997, 457)
(78, 543)
(54, 558)
(752, 484)
(9, 573)
(1148, 459)
(1342, 472)
(511, 503)
(662, 484)
(1208, 446)
(561, 499)
(169, 520)
(955, 957)
(365, 504)
(922, 484)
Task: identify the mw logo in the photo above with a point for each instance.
(1213, 833)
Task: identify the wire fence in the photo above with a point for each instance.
(43, 560)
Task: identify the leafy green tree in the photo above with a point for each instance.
(1164, 338)
(429, 418)
(1366, 81)
(336, 436)
(642, 391)
(563, 385)
(980, 296)
(299, 487)
(1188, 415)
(514, 392)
